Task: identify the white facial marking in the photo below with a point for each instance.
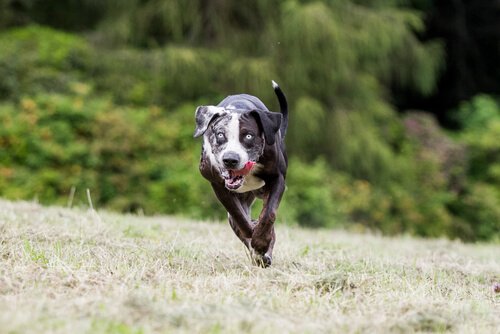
(233, 141)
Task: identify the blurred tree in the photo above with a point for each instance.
(120, 84)
(69, 14)
(470, 31)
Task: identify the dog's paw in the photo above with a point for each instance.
(266, 261)
(263, 261)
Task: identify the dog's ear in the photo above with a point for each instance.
(204, 115)
(270, 123)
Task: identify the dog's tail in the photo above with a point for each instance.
(283, 108)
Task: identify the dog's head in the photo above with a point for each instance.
(235, 139)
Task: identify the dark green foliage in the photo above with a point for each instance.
(113, 112)
(38, 59)
(468, 29)
(130, 158)
(478, 206)
(309, 195)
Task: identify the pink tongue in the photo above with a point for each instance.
(245, 170)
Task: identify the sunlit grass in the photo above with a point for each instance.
(72, 271)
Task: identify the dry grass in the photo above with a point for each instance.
(71, 271)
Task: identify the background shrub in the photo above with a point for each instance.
(107, 105)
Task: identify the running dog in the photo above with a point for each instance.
(243, 157)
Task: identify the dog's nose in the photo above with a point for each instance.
(230, 160)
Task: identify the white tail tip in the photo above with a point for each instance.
(275, 85)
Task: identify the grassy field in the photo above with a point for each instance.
(77, 271)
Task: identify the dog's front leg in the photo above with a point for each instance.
(246, 200)
(263, 236)
(238, 210)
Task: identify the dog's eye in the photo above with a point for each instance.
(220, 137)
(249, 137)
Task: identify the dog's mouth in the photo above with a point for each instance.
(232, 181)
(234, 178)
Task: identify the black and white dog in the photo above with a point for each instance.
(244, 157)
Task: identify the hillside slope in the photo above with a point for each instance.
(84, 272)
